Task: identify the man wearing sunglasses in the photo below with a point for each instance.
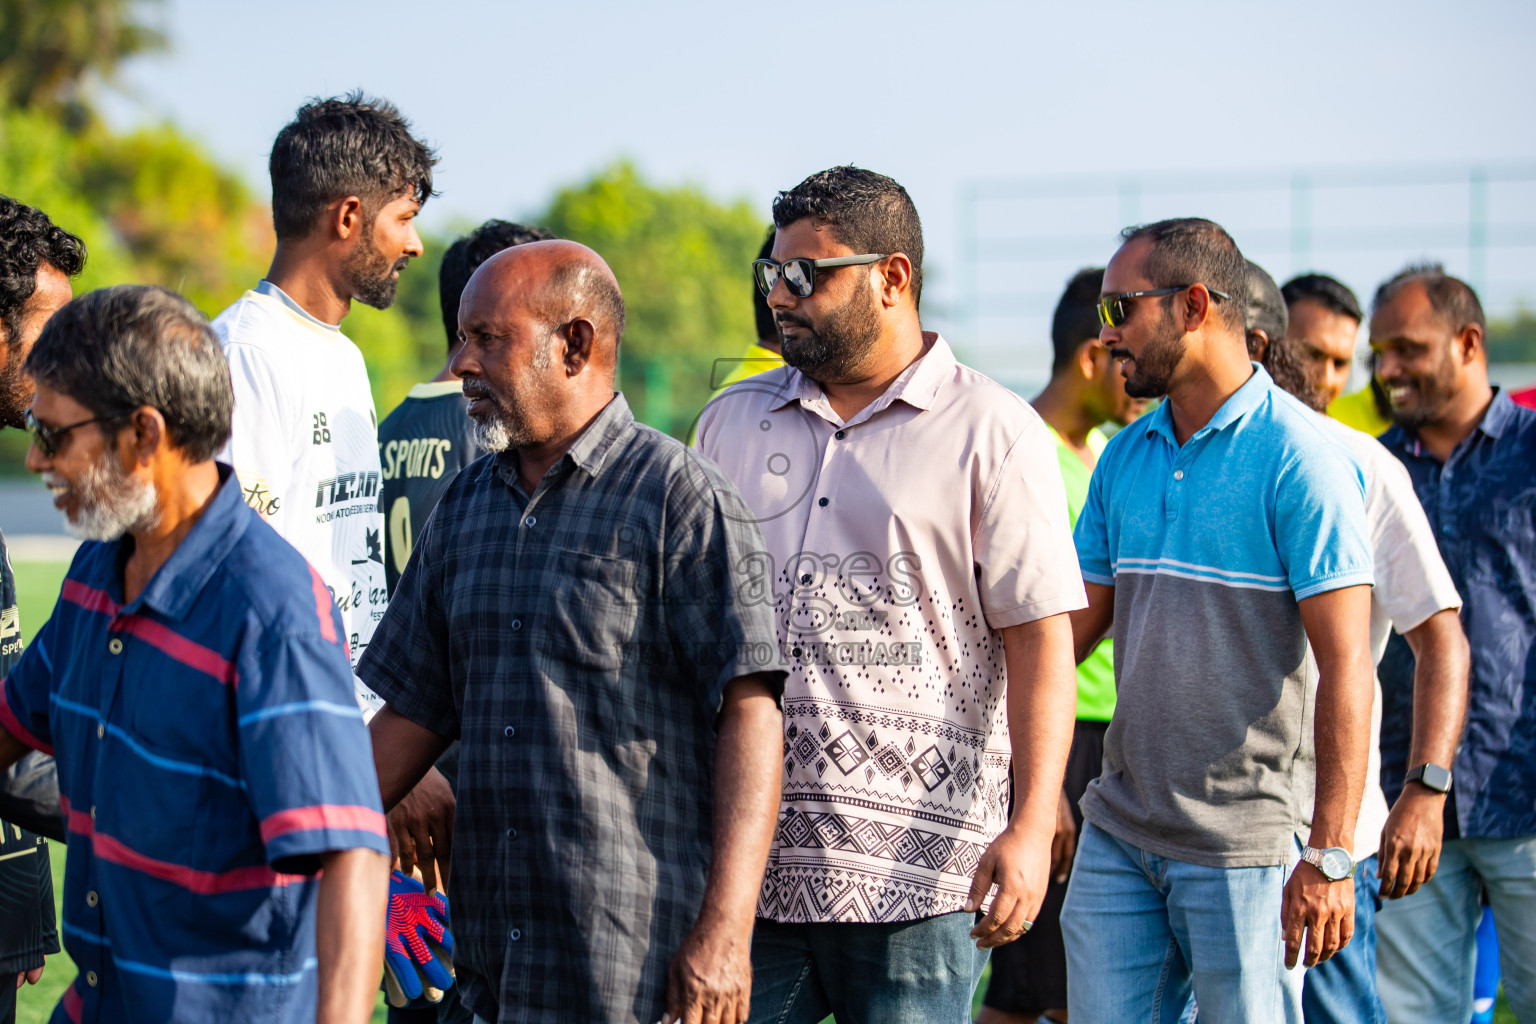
(227, 858)
(1222, 533)
(918, 554)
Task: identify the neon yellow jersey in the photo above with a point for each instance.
(1359, 410)
(754, 361)
(1096, 675)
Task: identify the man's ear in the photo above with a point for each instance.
(1196, 302)
(1470, 343)
(1092, 355)
(148, 435)
(895, 279)
(580, 336)
(1258, 344)
(345, 217)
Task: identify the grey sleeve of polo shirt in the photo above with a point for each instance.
(719, 614)
(1321, 534)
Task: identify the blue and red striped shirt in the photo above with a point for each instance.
(209, 751)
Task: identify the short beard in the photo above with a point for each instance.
(1290, 376)
(833, 353)
(370, 275)
(1159, 359)
(502, 428)
(111, 503)
(15, 394)
(1435, 393)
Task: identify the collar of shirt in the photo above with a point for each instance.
(589, 452)
(175, 586)
(918, 385)
(265, 287)
(1243, 401)
(1500, 410)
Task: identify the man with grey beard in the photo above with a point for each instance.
(194, 685)
(572, 616)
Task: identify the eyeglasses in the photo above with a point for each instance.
(799, 274)
(47, 438)
(1112, 312)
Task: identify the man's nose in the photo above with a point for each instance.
(413, 246)
(780, 297)
(37, 462)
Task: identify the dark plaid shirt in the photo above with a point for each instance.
(578, 643)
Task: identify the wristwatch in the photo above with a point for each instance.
(1430, 776)
(1335, 862)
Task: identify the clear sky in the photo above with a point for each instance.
(747, 98)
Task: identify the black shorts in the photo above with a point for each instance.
(1031, 974)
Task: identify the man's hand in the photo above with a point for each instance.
(31, 977)
(1324, 910)
(1410, 841)
(1064, 842)
(1019, 865)
(710, 978)
(421, 829)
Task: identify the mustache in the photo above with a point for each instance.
(1120, 353)
(790, 318)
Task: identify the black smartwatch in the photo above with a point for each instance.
(1430, 776)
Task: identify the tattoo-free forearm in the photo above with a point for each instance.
(1338, 627)
(1092, 624)
(1442, 660)
(349, 934)
(402, 753)
(748, 776)
(1042, 706)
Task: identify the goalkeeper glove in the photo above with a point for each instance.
(417, 943)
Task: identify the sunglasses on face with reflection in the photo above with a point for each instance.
(1112, 310)
(48, 439)
(799, 274)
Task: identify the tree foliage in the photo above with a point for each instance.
(53, 51)
(1513, 339)
(683, 261)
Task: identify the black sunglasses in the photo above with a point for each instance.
(799, 274)
(1112, 312)
(47, 438)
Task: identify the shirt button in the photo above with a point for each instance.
(509, 732)
(840, 434)
(91, 899)
(531, 521)
(91, 979)
(795, 652)
(1178, 474)
(511, 833)
(115, 645)
(515, 934)
(101, 730)
(93, 812)
(822, 502)
(517, 624)
(805, 579)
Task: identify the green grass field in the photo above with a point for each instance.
(37, 587)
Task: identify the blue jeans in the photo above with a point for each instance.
(1342, 989)
(1426, 942)
(1144, 932)
(908, 972)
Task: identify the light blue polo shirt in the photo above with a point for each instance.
(1209, 547)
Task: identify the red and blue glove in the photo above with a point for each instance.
(418, 946)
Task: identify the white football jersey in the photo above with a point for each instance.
(305, 447)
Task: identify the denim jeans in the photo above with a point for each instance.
(1426, 942)
(1342, 989)
(907, 972)
(1144, 932)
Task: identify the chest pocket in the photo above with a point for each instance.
(593, 609)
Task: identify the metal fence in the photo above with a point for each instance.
(1021, 238)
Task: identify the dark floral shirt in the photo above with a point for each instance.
(1481, 502)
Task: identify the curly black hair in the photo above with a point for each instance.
(865, 211)
(29, 239)
(464, 257)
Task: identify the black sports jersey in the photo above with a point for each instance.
(423, 444)
(27, 927)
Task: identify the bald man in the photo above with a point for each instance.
(571, 615)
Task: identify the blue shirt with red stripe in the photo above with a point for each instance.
(209, 751)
